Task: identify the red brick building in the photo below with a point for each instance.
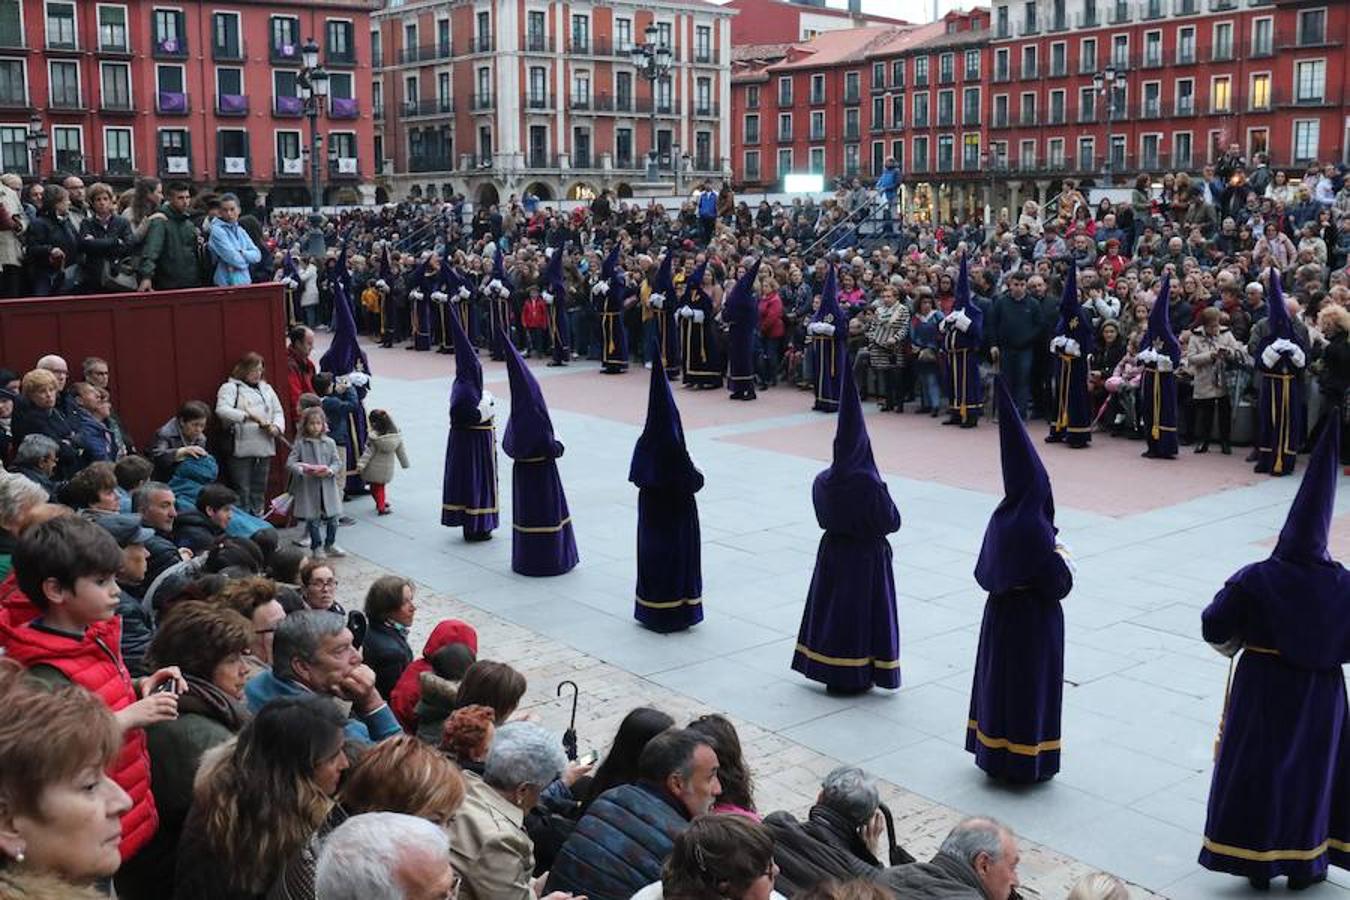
(498, 97)
(204, 92)
(786, 22)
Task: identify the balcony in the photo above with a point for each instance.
(971, 163)
(480, 102)
(751, 101)
(284, 54)
(288, 107)
(343, 108)
(1001, 74)
(174, 47)
(231, 105)
(704, 56)
(919, 164)
(233, 167)
(428, 108)
(1184, 107)
(1185, 56)
(175, 163)
(945, 118)
(852, 97)
(172, 103)
(785, 137)
(1057, 23)
(1262, 49)
(113, 48)
(1028, 118)
(1057, 116)
(1030, 28)
(972, 74)
(1153, 58)
(920, 122)
(707, 110)
(479, 43)
(343, 59)
(1029, 72)
(538, 43)
(344, 168)
(67, 103)
(1059, 69)
(1119, 13)
(539, 101)
(664, 107)
(579, 104)
(818, 98)
(1150, 109)
(851, 133)
(1086, 114)
(752, 175)
(784, 99)
(1185, 7)
(584, 161)
(1309, 37)
(289, 167)
(817, 134)
(921, 80)
(1087, 65)
(944, 77)
(376, 58)
(1285, 97)
(435, 162)
(1000, 120)
(1002, 32)
(108, 105)
(1221, 53)
(234, 52)
(1259, 102)
(1151, 9)
(540, 160)
(579, 46)
(426, 53)
(1088, 19)
(1222, 5)
(118, 167)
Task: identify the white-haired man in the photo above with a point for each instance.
(977, 861)
(385, 856)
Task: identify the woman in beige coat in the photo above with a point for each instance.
(250, 409)
(1212, 349)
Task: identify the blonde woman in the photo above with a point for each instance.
(1099, 886)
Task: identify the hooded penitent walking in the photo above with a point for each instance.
(1017, 695)
(497, 293)
(555, 298)
(1159, 354)
(962, 335)
(740, 311)
(849, 638)
(700, 355)
(469, 494)
(667, 323)
(346, 359)
(425, 282)
(1279, 803)
(1073, 341)
(669, 563)
(1279, 363)
(828, 328)
(610, 292)
(541, 531)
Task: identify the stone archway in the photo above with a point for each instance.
(541, 190)
(486, 195)
(287, 195)
(581, 191)
(341, 195)
(623, 190)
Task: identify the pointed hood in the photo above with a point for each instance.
(851, 497)
(665, 278)
(1069, 307)
(660, 458)
(1304, 536)
(1160, 325)
(1021, 533)
(553, 275)
(467, 391)
(288, 267)
(694, 282)
(345, 351)
(742, 294)
(1280, 325)
(386, 270)
(961, 298)
(829, 302)
(529, 430)
(609, 269)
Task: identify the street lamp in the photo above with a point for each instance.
(653, 61)
(1107, 83)
(36, 140)
(312, 84)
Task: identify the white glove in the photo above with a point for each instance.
(1071, 347)
(1286, 347)
(1270, 356)
(1057, 343)
(382, 285)
(698, 316)
(821, 328)
(487, 408)
(1107, 307)
(960, 321)
(1146, 357)
(439, 296)
(548, 298)
(684, 312)
(494, 285)
(416, 294)
(357, 379)
(1164, 362)
(601, 287)
(658, 301)
(291, 283)
(548, 253)
(463, 293)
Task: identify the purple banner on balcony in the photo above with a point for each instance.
(290, 106)
(233, 103)
(170, 45)
(344, 108)
(170, 102)
(286, 51)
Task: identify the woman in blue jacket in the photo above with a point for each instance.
(231, 247)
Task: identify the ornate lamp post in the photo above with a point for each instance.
(313, 87)
(36, 140)
(653, 61)
(1107, 83)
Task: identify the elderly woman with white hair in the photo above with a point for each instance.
(385, 856)
(489, 845)
(18, 497)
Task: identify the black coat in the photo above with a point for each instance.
(45, 234)
(101, 243)
(386, 651)
(824, 847)
(193, 530)
(29, 419)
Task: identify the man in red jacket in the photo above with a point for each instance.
(67, 567)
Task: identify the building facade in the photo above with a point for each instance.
(196, 91)
(786, 21)
(496, 98)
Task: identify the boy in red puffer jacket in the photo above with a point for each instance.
(67, 567)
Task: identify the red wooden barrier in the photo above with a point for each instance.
(164, 348)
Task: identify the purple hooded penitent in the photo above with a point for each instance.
(469, 492)
(828, 329)
(850, 635)
(1279, 802)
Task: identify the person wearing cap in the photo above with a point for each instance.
(138, 622)
(1280, 359)
(1017, 695)
(1279, 802)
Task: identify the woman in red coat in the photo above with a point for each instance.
(771, 330)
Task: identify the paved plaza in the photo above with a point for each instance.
(1153, 541)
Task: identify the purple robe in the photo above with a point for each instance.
(741, 312)
(961, 356)
(700, 356)
(469, 492)
(1158, 406)
(1279, 415)
(1072, 422)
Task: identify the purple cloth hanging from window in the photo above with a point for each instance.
(171, 45)
(290, 106)
(233, 103)
(172, 102)
(344, 108)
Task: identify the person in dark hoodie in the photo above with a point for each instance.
(197, 529)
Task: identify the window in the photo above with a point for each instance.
(535, 40)
(785, 126)
(752, 97)
(64, 84)
(484, 144)
(663, 34)
(1087, 56)
(851, 159)
(664, 92)
(784, 161)
(947, 67)
(170, 78)
(878, 157)
(752, 165)
(1057, 104)
(1002, 29)
(920, 154)
(340, 86)
(1026, 152)
(581, 34)
(920, 119)
(785, 91)
(445, 93)
(1181, 149)
(851, 124)
(970, 152)
(851, 82)
(68, 148)
(14, 150)
(1001, 64)
(878, 113)
(920, 71)
(1262, 32)
(1258, 141)
(623, 35)
(1223, 41)
(1185, 96)
(1221, 95)
(1310, 78)
(340, 46)
(702, 43)
(878, 75)
(117, 155)
(581, 148)
(898, 73)
(1153, 48)
(1029, 24)
(1152, 100)
(946, 104)
(1306, 136)
(898, 111)
(170, 35)
(1087, 104)
(1312, 27)
(285, 38)
(442, 38)
(898, 151)
(13, 82)
(1186, 45)
(1260, 91)
(411, 88)
(623, 90)
(817, 125)
(581, 89)
(484, 87)
(538, 98)
(1001, 111)
(344, 143)
(115, 85)
(623, 148)
(818, 160)
(112, 29)
(1148, 150)
(1029, 61)
(225, 41)
(703, 97)
(1054, 151)
(1058, 59)
(1028, 109)
(232, 144)
(750, 129)
(61, 26)
(483, 30)
(817, 88)
(1120, 51)
(972, 65)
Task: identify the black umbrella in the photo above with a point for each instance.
(570, 735)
